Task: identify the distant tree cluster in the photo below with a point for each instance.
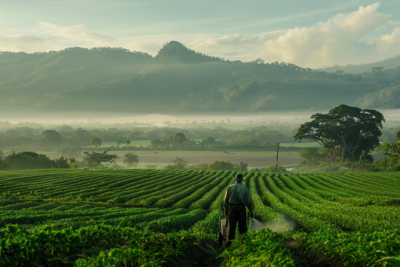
(244, 140)
(392, 153)
(69, 142)
(179, 164)
(30, 161)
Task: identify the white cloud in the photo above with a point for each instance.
(340, 40)
(73, 33)
(358, 37)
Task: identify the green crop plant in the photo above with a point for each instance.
(259, 248)
(352, 218)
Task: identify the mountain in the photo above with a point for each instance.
(390, 63)
(176, 53)
(178, 80)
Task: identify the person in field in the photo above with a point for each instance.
(237, 198)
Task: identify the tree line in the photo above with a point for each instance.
(31, 160)
(70, 142)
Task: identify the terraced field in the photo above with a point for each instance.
(351, 219)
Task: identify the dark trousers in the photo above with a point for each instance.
(237, 214)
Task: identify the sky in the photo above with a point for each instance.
(308, 33)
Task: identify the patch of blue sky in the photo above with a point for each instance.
(123, 18)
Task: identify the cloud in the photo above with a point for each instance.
(47, 37)
(52, 37)
(73, 33)
(342, 39)
(361, 36)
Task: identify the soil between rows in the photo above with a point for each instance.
(201, 255)
(304, 258)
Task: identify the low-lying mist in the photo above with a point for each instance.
(126, 120)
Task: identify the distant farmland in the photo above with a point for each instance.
(147, 143)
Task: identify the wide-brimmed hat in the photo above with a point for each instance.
(238, 177)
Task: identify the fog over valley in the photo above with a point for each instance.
(169, 133)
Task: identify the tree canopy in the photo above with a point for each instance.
(354, 129)
(95, 160)
(31, 160)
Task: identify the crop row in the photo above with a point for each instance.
(22, 248)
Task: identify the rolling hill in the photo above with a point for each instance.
(178, 80)
(390, 63)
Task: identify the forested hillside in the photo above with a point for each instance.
(179, 80)
(390, 63)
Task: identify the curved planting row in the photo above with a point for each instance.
(261, 210)
(206, 197)
(204, 181)
(199, 195)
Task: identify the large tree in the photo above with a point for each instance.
(96, 142)
(179, 139)
(319, 130)
(352, 128)
(357, 129)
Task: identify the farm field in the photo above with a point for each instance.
(260, 159)
(137, 143)
(350, 219)
(253, 158)
(147, 143)
(298, 144)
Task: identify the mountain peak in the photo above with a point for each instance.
(175, 52)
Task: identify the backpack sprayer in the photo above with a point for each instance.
(223, 224)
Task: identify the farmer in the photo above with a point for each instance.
(237, 198)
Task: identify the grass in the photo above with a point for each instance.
(313, 144)
(146, 143)
(166, 157)
(138, 143)
(188, 154)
